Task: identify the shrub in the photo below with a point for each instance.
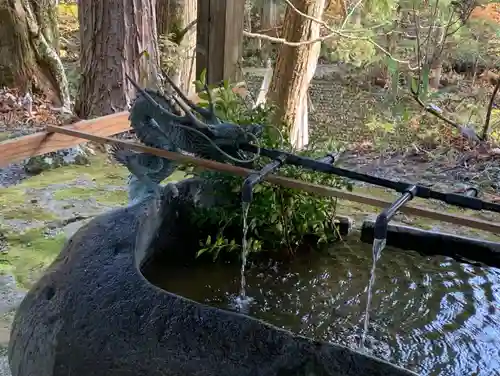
(278, 218)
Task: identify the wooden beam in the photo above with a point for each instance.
(40, 143)
(321, 190)
(220, 39)
(20, 148)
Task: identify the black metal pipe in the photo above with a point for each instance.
(328, 159)
(471, 192)
(456, 199)
(382, 221)
(253, 179)
(257, 177)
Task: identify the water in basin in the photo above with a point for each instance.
(431, 315)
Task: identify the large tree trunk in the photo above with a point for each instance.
(176, 19)
(29, 42)
(295, 69)
(117, 38)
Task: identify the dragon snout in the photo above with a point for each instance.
(254, 129)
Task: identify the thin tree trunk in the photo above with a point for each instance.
(177, 18)
(295, 69)
(254, 44)
(29, 49)
(247, 20)
(268, 22)
(162, 16)
(118, 37)
(437, 59)
(336, 11)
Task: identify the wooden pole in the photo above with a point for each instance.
(220, 39)
(321, 190)
(20, 148)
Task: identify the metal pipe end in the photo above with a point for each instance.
(380, 227)
(247, 189)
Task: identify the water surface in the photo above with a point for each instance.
(431, 315)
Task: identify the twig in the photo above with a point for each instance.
(486, 127)
(350, 14)
(465, 131)
(179, 36)
(417, 33)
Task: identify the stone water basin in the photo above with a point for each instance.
(431, 315)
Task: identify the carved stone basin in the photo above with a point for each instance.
(93, 313)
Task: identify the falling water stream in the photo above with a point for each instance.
(243, 301)
(377, 248)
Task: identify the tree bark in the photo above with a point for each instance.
(295, 69)
(176, 19)
(29, 42)
(117, 39)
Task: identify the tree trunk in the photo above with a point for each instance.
(295, 69)
(29, 49)
(268, 22)
(253, 44)
(117, 39)
(176, 19)
(437, 59)
(162, 17)
(247, 20)
(336, 11)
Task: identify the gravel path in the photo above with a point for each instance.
(10, 297)
(12, 175)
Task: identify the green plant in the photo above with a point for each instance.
(278, 218)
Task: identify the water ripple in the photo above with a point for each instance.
(429, 314)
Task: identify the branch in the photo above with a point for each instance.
(419, 52)
(465, 131)
(486, 127)
(332, 33)
(188, 27)
(179, 34)
(350, 13)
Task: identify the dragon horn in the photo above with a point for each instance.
(179, 92)
(207, 114)
(211, 108)
(174, 117)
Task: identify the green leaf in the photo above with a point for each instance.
(203, 95)
(200, 252)
(144, 53)
(203, 76)
(414, 85)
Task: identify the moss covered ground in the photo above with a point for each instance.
(33, 214)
